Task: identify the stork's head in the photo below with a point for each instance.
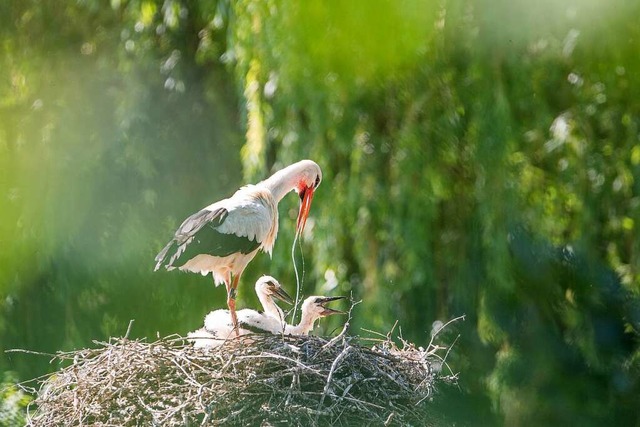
(267, 285)
(315, 307)
(309, 179)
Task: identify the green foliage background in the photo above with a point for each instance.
(479, 158)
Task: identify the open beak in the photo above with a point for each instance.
(306, 195)
(329, 311)
(282, 295)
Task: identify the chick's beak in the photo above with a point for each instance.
(329, 311)
(282, 295)
(306, 195)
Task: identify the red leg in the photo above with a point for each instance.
(231, 302)
(227, 283)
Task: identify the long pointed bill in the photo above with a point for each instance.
(329, 311)
(305, 207)
(282, 295)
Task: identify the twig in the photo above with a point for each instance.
(276, 356)
(37, 353)
(435, 334)
(341, 335)
(389, 418)
(334, 365)
(126, 335)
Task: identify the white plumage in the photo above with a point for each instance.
(253, 213)
(313, 309)
(218, 325)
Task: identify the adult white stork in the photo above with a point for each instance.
(223, 237)
(218, 325)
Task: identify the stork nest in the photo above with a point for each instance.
(250, 380)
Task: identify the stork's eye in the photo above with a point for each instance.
(317, 181)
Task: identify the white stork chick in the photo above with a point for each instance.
(218, 325)
(251, 321)
(268, 288)
(225, 236)
(312, 309)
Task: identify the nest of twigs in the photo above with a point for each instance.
(251, 380)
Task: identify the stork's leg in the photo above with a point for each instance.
(231, 302)
(227, 282)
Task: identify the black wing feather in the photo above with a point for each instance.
(251, 327)
(199, 234)
(163, 254)
(208, 240)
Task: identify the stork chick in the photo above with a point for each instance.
(313, 308)
(218, 325)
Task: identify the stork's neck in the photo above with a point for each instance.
(285, 180)
(304, 327)
(270, 307)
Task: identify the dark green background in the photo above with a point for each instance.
(479, 158)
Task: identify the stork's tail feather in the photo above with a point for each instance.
(163, 254)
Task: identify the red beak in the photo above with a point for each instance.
(306, 196)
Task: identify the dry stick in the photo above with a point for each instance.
(37, 353)
(126, 335)
(450, 347)
(435, 334)
(373, 332)
(335, 339)
(277, 356)
(389, 419)
(341, 335)
(150, 410)
(191, 380)
(172, 413)
(32, 390)
(444, 359)
(334, 365)
(205, 418)
(295, 379)
(362, 402)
